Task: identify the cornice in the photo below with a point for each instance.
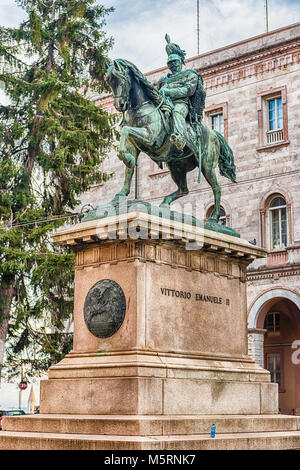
(274, 272)
(263, 41)
(242, 66)
(231, 64)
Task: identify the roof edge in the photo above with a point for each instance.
(237, 44)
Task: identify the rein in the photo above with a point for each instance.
(145, 102)
(136, 108)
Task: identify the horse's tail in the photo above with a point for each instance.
(226, 159)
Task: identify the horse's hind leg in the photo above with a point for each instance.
(209, 164)
(178, 175)
(211, 178)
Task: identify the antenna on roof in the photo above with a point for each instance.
(198, 28)
(267, 16)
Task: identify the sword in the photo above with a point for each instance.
(196, 124)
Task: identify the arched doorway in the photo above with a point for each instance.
(274, 317)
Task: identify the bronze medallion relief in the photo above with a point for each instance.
(104, 308)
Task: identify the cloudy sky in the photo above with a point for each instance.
(139, 26)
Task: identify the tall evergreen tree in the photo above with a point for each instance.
(53, 140)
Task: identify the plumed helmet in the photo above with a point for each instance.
(173, 50)
(174, 57)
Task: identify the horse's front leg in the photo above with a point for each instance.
(137, 134)
(134, 153)
(127, 183)
(129, 151)
(124, 153)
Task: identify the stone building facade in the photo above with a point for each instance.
(253, 98)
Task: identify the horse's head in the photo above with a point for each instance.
(118, 79)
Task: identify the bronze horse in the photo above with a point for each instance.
(145, 129)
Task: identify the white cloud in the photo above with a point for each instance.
(139, 37)
(10, 14)
(139, 26)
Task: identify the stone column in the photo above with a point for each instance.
(256, 345)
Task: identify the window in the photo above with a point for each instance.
(273, 366)
(275, 114)
(275, 121)
(216, 118)
(217, 122)
(223, 218)
(276, 226)
(278, 223)
(272, 323)
(272, 118)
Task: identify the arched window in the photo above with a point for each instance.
(278, 223)
(223, 220)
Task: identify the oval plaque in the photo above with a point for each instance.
(104, 308)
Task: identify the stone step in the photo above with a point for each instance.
(149, 425)
(287, 440)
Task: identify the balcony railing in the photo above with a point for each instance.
(277, 257)
(275, 136)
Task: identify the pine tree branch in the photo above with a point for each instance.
(52, 132)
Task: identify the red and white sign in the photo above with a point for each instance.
(23, 385)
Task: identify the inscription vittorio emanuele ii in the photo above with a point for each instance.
(197, 296)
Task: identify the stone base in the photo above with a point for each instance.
(177, 364)
(182, 345)
(80, 432)
(147, 384)
(157, 396)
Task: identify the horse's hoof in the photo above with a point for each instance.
(164, 205)
(118, 197)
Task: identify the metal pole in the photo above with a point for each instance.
(136, 182)
(20, 391)
(198, 27)
(267, 16)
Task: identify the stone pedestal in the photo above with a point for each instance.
(174, 359)
(182, 345)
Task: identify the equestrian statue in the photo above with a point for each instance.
(165, 122)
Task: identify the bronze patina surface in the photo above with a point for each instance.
(104, 308)
(121, 206)
(165, 122)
